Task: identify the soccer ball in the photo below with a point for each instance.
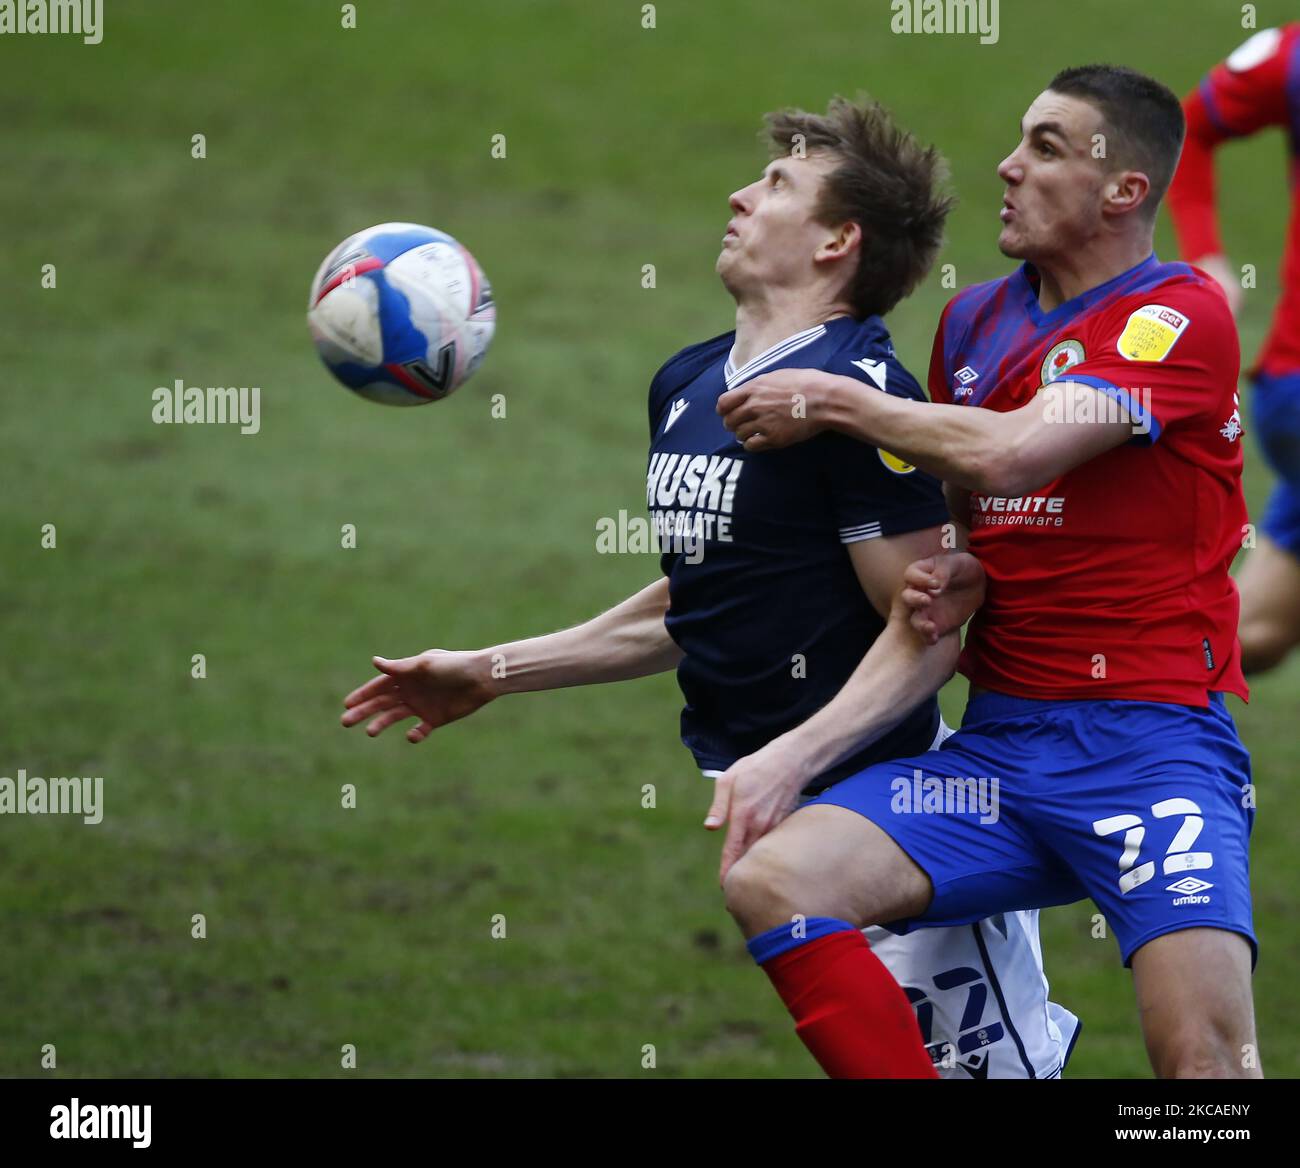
(401, 314)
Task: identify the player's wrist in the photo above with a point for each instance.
(489, 671)
(801, 757)
(837, 403)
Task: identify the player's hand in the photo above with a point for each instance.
(753, 795)
(1227, 279)
(437, 687)
(941, 593)
(774, 409)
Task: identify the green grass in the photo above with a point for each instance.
(372, 926)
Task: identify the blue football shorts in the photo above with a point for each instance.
(1144, 807)
(1275, 411)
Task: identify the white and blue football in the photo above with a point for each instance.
(401, 314)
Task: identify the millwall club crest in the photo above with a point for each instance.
(1060, 358)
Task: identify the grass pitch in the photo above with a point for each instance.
(373, 926)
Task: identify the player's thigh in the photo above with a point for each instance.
(1194, 1000)
(824, 861)
(958, 847)
(1154, 818)
(1269, 582)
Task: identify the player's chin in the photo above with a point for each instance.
(733, 276)
(1012, 244)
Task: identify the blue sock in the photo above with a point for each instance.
(798, 932)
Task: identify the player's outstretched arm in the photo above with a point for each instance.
(1193, 205)
(1008, 454)
(1248, 92)
(441, 686)
(898, 672)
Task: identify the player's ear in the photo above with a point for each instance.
(1125, 192)
(842, 242)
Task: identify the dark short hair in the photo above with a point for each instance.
(885, 181)
(1142, 120)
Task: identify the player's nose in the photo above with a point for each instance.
(1009, 169)
(736, 200)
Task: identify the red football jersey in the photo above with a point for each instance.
(1111, 581)
(1258, 86)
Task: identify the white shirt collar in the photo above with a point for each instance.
(769, 356)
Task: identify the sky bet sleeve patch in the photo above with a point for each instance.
(1151, 332)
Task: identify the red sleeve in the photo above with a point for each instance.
(1192, 194)
(1169, 355)
(1245, 93)
(937, 382)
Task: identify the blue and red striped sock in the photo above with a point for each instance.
(848, 1010)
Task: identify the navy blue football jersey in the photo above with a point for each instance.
(764, 601)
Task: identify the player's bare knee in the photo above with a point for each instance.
(766, 889)
(1201, 1050)
(757, 891)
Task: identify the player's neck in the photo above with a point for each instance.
(761, 325)
(1063, 278)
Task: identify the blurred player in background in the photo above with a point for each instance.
(1258, 86)
(781, 572)
(1082, 424)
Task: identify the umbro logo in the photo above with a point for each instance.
(964, 376)
(675, 412)
(1189, 889)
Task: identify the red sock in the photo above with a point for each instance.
(849, 1011)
